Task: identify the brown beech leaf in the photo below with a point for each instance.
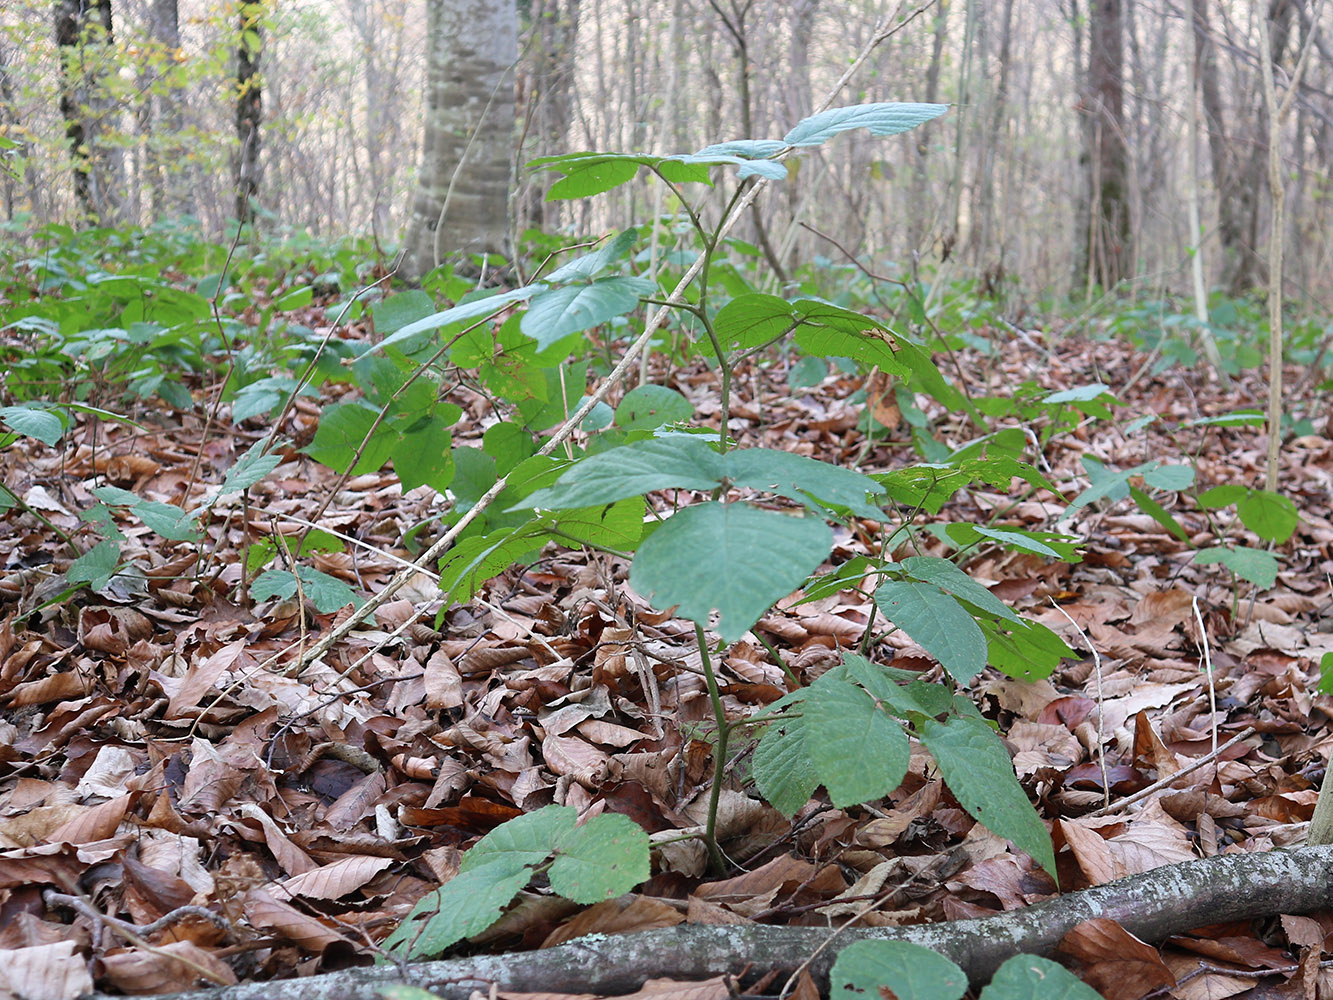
(332, 881)
(96, 823)
(356, 803)
(55, 687)
(1114, 962)
(200, 677)
(616, 916)
(303, 930)
(51, 971)
(166, 968)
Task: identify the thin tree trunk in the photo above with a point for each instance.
(1195, 243)
(1109, 218)
(917, 219)
(249, 108)
(79, 25)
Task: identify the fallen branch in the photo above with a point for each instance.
(1152, 906)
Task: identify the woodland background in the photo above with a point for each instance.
(1038, 376)
(1055, 103)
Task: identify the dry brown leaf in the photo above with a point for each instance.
(50, 971)
(1114, 962)
(303, 930)
(625, 915)
(167, 968)
(443, 682)
(332, 881)
(94, 824)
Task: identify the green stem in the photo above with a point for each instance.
(23, 505)
(719, 754)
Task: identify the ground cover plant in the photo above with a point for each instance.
(830, 615)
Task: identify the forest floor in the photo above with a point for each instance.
(159, 758)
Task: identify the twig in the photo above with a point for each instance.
(135, 935)
(1161, 783)
(1101, 713)
(1208, 666)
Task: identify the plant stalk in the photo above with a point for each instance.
(718, 861)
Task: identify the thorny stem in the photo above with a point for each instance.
(719, 754)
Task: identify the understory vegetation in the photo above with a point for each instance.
(414, 619)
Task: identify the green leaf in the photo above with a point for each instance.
(555, 314)
(783, 772)
(1029, 977)
(879, 119)
(977, 769)
(1254, 565)
(1170, 477)
(688, 461)
(1079, 394)
(1038, 542)
(465, 905)
(1326, 673)
(1221, 496)
(589, 264)
(1269, 515)
(473, 309)
(938, 623)
(732, 558)
(249, 469)
(617, 526)
(589, 175)
(33, 421)
(894, 969)
(398, 310)
(97, 566)
(1023, 649)
(342, 429)
(859, 753)
(400, 992)
(326, 593)
(604, 858)
(523, 840)
(478, 558)
(750, 320)
(1158, 513)
(422, 453)
(508, 444)
(797, 477)
(953, 580)
(649, 406)
(167, 520)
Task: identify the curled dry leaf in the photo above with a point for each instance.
(51, 971)
(168, 968)
(1115, 963)
(305, 931)
(332, 881)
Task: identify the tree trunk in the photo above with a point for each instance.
(462, 199)
(249, 108)
(917, 220)
(79, 26)
(546, 82)
(1238, 162)
(1108, 240)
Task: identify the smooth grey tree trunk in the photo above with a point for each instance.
(462, 200)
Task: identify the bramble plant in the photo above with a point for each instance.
(724, 561)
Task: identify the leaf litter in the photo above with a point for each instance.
(182, 807)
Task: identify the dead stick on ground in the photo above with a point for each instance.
(1151, 906)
